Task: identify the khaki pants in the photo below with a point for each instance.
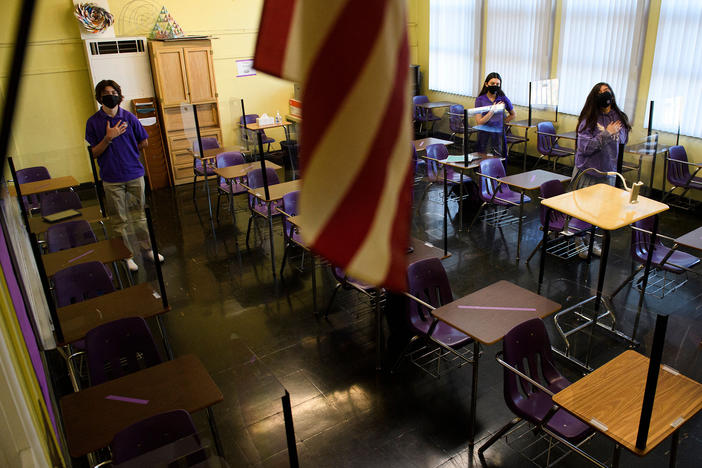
(125, 207)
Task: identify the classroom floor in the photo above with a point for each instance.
(255, 341)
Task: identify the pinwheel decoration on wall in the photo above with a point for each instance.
(93, 18)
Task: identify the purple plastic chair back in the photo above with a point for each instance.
(119, 348)
(53, 202)
(207, 143)
(229, 158)
(290, 207)
(427, 280)
(255, 179)
(439, 152)
(68, 235)
(678, 173)
(640, 241)
(492, 167)
(544, 143)
(456, 118)
(155, 432)
(528, 343)
(80, 282)
(32, 174)
(549, 189)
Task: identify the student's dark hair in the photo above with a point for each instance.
(591, 109)
(104, 84)
(488, 78)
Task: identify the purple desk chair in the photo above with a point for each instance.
(664, 260)
(227, 159)
(68, 235)
(32, 174)
(71, 234)
(678, 173)
(173, 427)
(495, 194)
(529, 394)
(249, 136)
(557, 223)
(198, 167)
(291, 236)
(258, 207)
(53, 202)
(119, 348)
(76, 284)
(547, 144)
(428, 285)
(80, 282)
(435, 171)
(422, 115)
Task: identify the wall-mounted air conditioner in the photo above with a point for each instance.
(124, 60)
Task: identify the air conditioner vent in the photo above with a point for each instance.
(117, 47)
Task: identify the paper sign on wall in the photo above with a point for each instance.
(245, 68)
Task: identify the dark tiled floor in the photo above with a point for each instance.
(256, 340)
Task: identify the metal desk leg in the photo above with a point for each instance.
(474, 394)
(215, 432)
(519, 229)
(314, 283)
(270, 233)
(445, 214)
(379, 332)
(207, 189)
(617, 454)
(231, 203)
(460, 204)
(544, 246)
(524, 155)
(600, 286)
(674, 449)
(647, 270)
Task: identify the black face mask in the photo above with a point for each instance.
(493, 88)
(111, 100)
(605, 99)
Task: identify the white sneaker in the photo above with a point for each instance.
(150, 256)
(131, 264)
(596, 250)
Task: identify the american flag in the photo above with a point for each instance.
(352, 59)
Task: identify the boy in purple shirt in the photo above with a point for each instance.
(491, 137)
(116, 136)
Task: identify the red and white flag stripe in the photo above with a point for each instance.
(352, 58)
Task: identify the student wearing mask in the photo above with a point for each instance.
(116, 136)
(491, 137)
(602, 126)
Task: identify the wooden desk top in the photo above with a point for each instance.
(90, 214)
(255, 126)
(435, 105)
(212, 153)
(240, 170)
(532, 180)
(276, 191)
(137, 301)
(423, 250)
(490, 313)
(613, 396)
(692, 239)
(46, 185)
(422, 143)
(91, 420)
(106, 251)
(525, 123)
(604, 206)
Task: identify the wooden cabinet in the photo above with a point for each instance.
(183, 73)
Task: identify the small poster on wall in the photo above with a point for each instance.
(245, 68)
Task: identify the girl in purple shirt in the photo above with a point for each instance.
(491, 137)
(601, 127)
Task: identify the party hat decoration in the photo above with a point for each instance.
(165, 26)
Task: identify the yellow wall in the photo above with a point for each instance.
(692, 145)
(56, 97)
